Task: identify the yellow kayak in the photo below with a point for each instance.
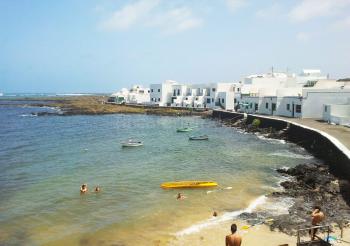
(188, 184)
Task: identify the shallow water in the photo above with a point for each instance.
(44, 160)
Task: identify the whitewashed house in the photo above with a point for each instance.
(161, 93)
(213, 95)
(324, 92)
(280, 93)
(136, 95)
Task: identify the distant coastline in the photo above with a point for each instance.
(97, 105)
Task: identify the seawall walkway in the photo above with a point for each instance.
(330, 143)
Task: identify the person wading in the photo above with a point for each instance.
(233, 239)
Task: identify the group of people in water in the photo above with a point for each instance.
(317, 216)
(84, 189)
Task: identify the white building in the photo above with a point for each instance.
(214, 95)
(309, 77)
(136, 95)
(161, 93)
(325, 92)
(282, 94)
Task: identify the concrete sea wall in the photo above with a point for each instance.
(318, 143)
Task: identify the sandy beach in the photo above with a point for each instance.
(257, 235)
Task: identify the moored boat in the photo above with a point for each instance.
(184, 129)
(188, 184)
(201, 137)
(131, 143)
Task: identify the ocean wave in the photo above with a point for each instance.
(28, 115)
(280, 141)
(289, 154)
(225, 217)
(277, 206)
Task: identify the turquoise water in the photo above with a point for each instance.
(44, 160)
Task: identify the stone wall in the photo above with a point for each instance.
(317, 144)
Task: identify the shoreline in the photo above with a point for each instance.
(328, 186)
(275, 135)
(96, 105)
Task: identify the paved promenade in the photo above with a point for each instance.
(341, 133)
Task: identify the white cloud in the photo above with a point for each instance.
(176, 20)
(152, 14)
(129, 15)
(270, 12)
(235, 4)
(309, 9)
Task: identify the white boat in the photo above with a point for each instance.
(1, 94)
(132, 143)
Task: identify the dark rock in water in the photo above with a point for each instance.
(309, 185)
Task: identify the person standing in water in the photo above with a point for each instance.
(180, 196)
(233, 239)
(83, 189)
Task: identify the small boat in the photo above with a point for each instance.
(202, 137)
(132, 143)
(184, 129)
(188, 184)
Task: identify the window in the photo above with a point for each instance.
(238, 89)
(222, 100)
(151, 90)
(235, 100)
(174, 94)
(158, 90)
(212, 100)
(148, 91)
(273, 106)
(250, 105)
(288, 106)
(158, 99)
(298, 108)
(186, 98)
(256, 107)
(325, 108)
(196, 98)
(213, 89)
(178, 92)
(208, 100)
(267, 105)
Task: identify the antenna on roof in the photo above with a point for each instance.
(272, 71)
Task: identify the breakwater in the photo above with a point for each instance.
(320, 144)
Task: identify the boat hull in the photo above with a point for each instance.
(199, 138)
(184, 129)
(188, 184)
(132, 144)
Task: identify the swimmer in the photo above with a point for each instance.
(215, 214)
(180, 196)
(97, 189)
(83, 189)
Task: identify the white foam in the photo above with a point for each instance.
(289, 154)
(225, 217)
(281, 141)
(28, 115)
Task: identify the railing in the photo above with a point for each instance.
(299, 243)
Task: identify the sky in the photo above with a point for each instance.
(71, 46)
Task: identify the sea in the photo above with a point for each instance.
(45, 159)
